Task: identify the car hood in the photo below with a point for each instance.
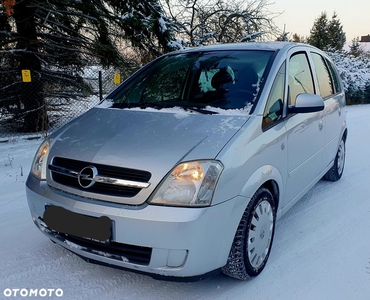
(153, 141)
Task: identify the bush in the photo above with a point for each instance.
(355, 74)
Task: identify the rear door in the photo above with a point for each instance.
(330, 90)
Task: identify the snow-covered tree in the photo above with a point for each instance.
(355, 74)
(220, 21)
(55, 39)
(356, 49)
(326, 34)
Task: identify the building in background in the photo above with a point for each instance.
(365, 39)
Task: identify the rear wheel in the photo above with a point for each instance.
(253, 239)
(336, 171)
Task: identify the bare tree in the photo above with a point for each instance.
(204, 22)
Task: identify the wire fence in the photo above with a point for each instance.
(44, 103)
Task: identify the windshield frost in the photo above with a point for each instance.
(227, 80)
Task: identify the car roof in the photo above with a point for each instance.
(271, 46)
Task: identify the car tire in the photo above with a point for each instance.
(336, 171)
(253, 239)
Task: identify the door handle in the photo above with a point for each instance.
(321, 125)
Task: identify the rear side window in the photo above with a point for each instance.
(300, 77)
(334, 76)
(323, 76)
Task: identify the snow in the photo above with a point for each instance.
(105, 104)
(181, 113)
(232, 112)
(162, 25)
(127, 16)
(175, 44)
(321, 248)
(353, 71)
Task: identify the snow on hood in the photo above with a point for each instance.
(180, 112)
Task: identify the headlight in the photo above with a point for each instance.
(39, 162)
(189, 184)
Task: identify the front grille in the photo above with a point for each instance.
(122, 252)
(75, 166)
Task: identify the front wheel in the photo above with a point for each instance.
(253, 239)
(336, 171)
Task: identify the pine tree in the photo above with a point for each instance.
(327, 34)
(355, 48)
(55, 39)
(296, 38)
(319, 36)
(337, 38)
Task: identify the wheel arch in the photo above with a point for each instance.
(273, 187)
(266, 176)
(344, 135)
(238, 265)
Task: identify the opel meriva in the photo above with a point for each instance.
(184, 168)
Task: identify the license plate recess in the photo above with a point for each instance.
(64, 221)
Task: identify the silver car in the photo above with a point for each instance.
(184, 169)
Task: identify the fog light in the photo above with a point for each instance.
(176, 258)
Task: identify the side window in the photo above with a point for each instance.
(323, 76)
(334, 76)
(274, 106)
(300, 77)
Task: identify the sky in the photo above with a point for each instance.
(299, 17)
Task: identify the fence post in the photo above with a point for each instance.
(100, 86)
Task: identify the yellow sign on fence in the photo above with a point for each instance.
(26, 75)
(117, 78)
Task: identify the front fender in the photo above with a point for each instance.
(259, 178)
(255, 181)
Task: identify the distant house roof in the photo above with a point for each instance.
(365, 38)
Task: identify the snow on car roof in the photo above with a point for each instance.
(273, 46)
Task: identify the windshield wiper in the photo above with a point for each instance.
(160, 105)
(188, 106)
(200, 110)
(140, 105)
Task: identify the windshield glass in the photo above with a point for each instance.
(227, 80)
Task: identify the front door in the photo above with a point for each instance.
(305, 134)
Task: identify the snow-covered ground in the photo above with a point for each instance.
(321, 248)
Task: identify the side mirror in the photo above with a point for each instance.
(306, 103)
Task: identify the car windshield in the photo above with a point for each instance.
(196, 80)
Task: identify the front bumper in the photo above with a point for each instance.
(168, 241)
